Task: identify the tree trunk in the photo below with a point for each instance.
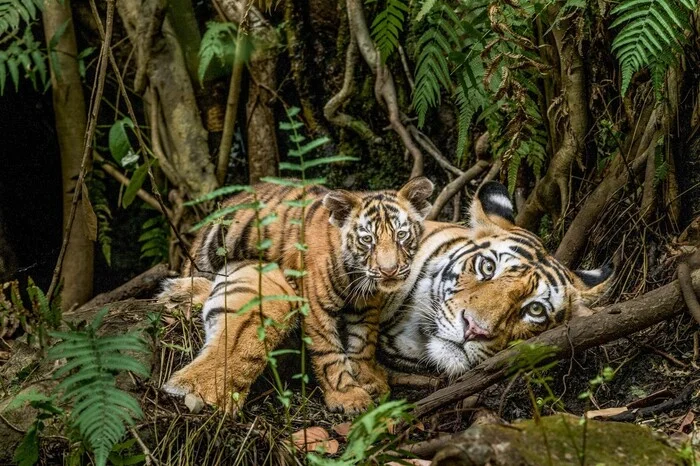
(186, 139)
(71, 121)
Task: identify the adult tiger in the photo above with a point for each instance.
(349, 266)
(474, 290)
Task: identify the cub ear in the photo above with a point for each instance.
(340, 204)
(492, 206)
(593, 284)
(416, 192)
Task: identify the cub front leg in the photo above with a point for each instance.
(233, 356)
(330, 362)
(363, 334)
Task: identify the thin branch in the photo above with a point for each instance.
(123, 179)
(105, 52)
(454, 187)
(430, 148)
(234, 92)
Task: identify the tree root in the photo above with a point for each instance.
(332, 108)
(454, 187)
(608, 324)
(384, 88)
(665, 406)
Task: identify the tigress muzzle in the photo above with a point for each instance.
(472, 330)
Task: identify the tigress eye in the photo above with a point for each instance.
(536, 310)
(366, 239)
(486, 267)
(403, 234)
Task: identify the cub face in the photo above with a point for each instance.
(380, 233)
(501, 286)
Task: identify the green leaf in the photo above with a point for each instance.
(135, 184)
(119, 144)
(27, 452)
(223, 213)
(327, 160)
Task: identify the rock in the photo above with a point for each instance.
(559, 438)
(194, 403)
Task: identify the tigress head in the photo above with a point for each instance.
(380, 232)
(499, 287)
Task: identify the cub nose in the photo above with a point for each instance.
(389, 271)
(472, 330)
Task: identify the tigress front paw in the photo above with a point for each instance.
(206, 388)
(352, 401)
(373, 379)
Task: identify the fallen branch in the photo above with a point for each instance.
(606, 325)
(665, 406)
(143, 284)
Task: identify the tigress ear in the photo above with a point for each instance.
(416, 192)
(492, 206)
(592, 284)
(340, 204)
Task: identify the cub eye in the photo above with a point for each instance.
(403, 234)
(486, 267)
(536, 310)
(366, 239)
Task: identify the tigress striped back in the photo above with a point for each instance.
(473, 290)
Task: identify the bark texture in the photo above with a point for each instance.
(184, 137)
(71, 122)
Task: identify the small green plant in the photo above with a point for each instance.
(27, 452)
(605, 376)
(155, 240)
(221, 45)
(36, 320)
(369, 439)
(100, 410)
(22, 52)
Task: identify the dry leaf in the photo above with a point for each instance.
(342, 429)
(687, 421)
(420, 426)
(607, 412)
(316, 440)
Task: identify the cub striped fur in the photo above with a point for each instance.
(360, 250)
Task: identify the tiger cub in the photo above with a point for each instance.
(473, 290)
(360, 250)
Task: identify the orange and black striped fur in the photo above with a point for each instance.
(360, 250)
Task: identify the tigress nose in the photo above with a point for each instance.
(389, 271)
(472, 330)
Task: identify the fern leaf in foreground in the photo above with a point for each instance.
(100, 409)
(653, 33)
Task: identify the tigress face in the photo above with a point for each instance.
(502, 286)
(380, 232)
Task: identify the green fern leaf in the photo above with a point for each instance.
(653, 33)
(387, 26)
(100, 410)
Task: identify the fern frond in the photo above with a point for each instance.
(217, 50)
(653, 33)
(24, 56)
(14, 12)
(155, 240)
(100, 409)
(469, 97)
(387, 26)
(432, 68)
(100, 204)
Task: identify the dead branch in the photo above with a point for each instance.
(124, 180)
(431, 149)
(384, 85)
(332, 109)
(633, 415)
(144, 284)
(455, 186)
(613, 322)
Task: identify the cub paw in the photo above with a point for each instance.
(373, 379)
(352, 401)
(180, 385)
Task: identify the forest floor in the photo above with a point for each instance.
(650, 367)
